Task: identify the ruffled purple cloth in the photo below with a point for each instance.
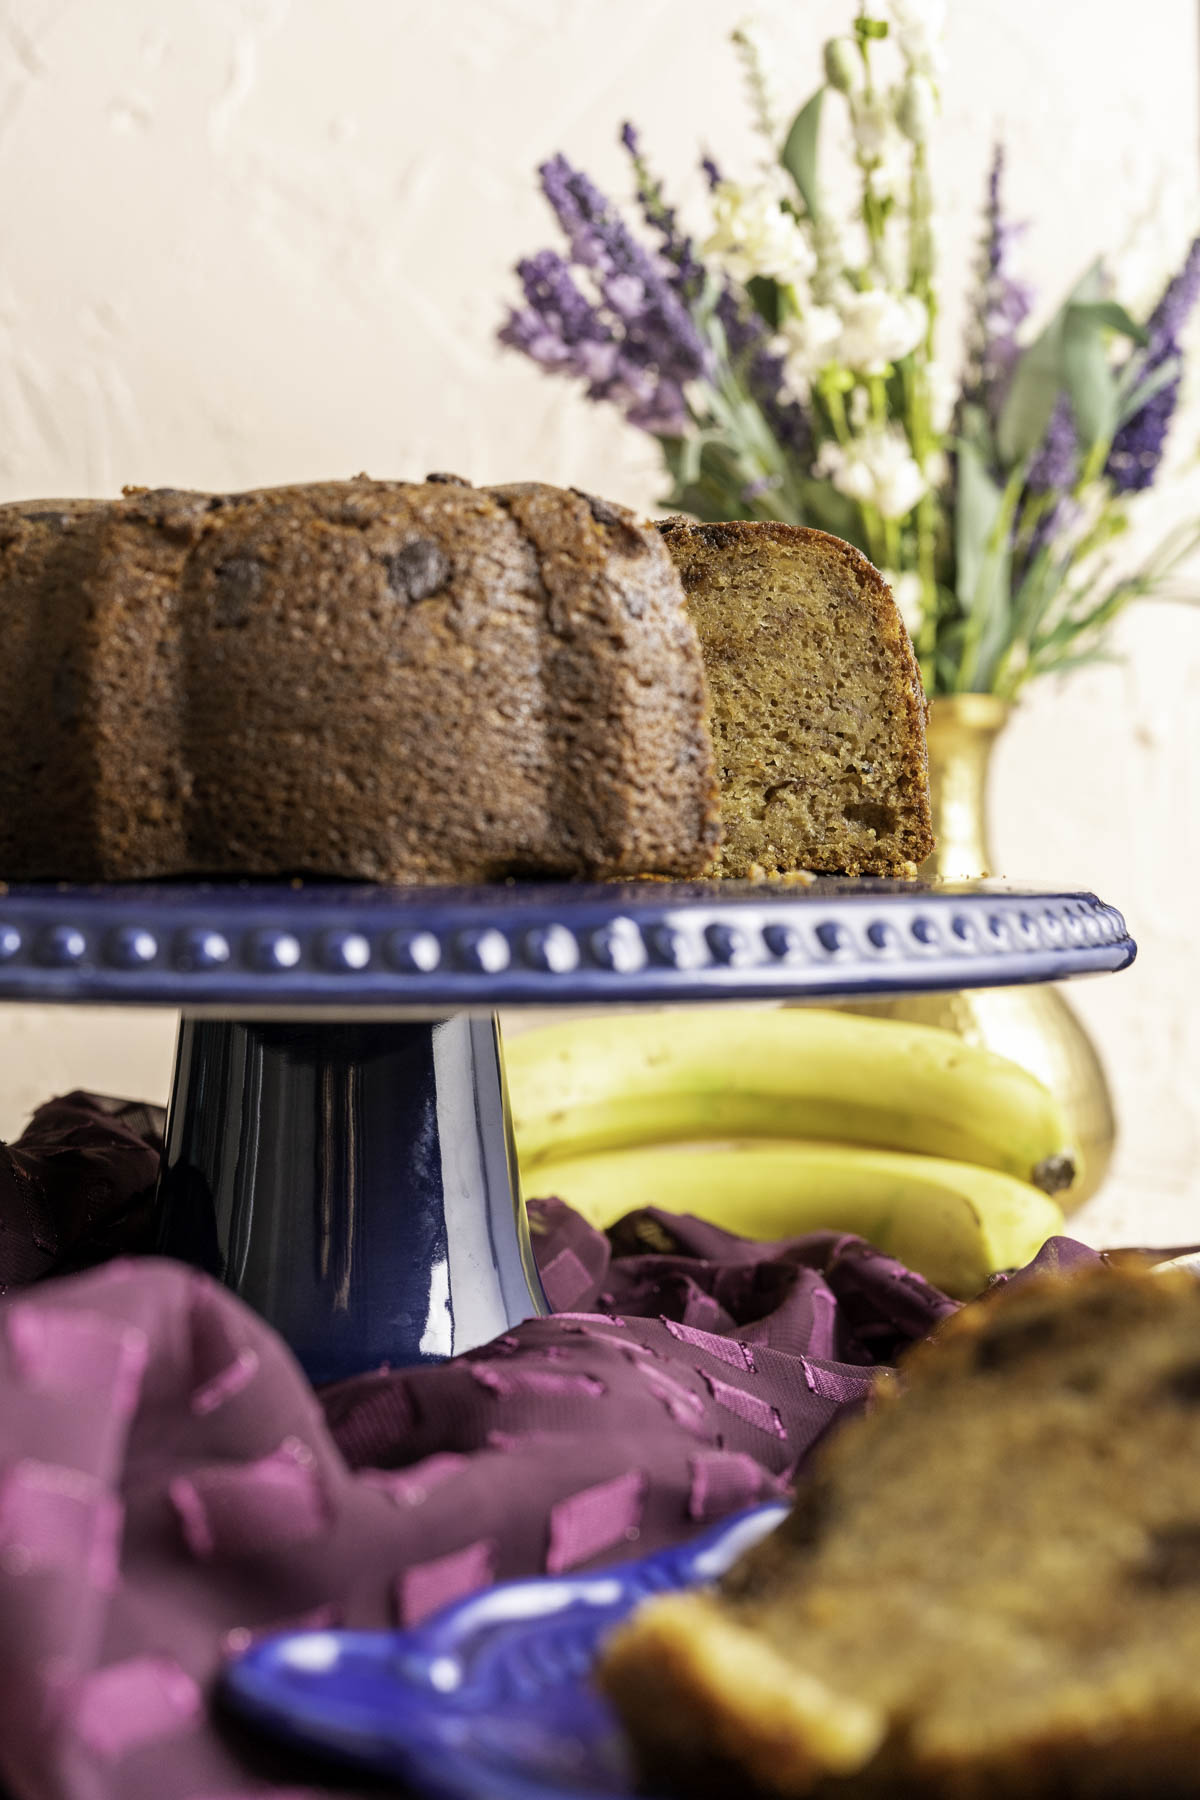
(171, 1486)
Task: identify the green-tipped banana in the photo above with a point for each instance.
(713, 1072)
(955, 1223)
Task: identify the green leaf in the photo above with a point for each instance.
(764, 296)
(1069, 354)
(870, 28)
(976, 430)
(1031, 396)
(1090, 285)
(1036, 596)
(1083, 659)
(975, 516)
(1087, 376)
(1112, 315)
(682, 456)
(799, 153)
(983, 556)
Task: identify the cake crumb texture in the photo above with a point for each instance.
(818, 714)
(993, 1578)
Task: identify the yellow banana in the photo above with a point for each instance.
(714, 1072)
(955, 1223)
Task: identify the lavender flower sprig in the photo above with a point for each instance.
(1003, 303)
(684, 270)
(1137, 448)
(632, 338)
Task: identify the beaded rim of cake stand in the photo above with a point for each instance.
(329, 945)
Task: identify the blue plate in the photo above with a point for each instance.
(492, 1699)
(323, 948)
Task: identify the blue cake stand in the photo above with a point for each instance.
(338, 1146)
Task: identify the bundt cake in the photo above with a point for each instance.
(430, 681)
(818, 715)
(990, 1588)
(391, 681)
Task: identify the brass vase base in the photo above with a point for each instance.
(1033, 1026)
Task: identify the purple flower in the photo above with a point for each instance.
(558, 327)
(1170, 316)
(755, 490)
(1137, 448)
(683, 269)
(551, 292)
(619, 317)
(1056, 463)
(1004, 303)
(625, 328)
(664, 412)
(1053, 471)
(662, 332)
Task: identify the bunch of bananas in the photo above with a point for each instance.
(775, 1123)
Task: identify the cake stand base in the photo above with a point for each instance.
(339, 1150)
(353, 1182)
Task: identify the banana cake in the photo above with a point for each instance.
(433, 682)
(991, 1587)
(818, 714)
(384, 680)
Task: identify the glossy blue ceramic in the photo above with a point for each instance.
(492, 1699)
(338, 1145)
(354, 1181)
(321, 947)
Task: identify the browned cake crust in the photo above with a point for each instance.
(818, 712)
(990, 1589)
(382, 680)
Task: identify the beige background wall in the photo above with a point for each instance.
(252, 241)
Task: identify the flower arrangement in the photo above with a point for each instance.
(787, 368)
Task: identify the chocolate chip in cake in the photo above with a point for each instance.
(417, 571)
(175, 511)
(454, 480)
(613, 518)
(1005, 1341)
(1183, 1384)
(66, 694)
(1172, 1556)
(238, 584)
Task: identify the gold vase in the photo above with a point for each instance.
(1034, 1026)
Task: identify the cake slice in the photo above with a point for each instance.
(990, 1588)
(818, 715)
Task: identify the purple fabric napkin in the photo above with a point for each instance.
(171, 1486)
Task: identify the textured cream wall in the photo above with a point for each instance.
(250, 241)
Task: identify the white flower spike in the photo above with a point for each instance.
(878, 328)
(756, 235)
(810, 343)
(877, 470)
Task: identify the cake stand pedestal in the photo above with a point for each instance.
(339, 1148)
